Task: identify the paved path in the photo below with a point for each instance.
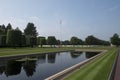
(117, 71)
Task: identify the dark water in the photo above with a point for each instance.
(39, 67)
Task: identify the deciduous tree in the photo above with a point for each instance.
(51, 40)
(115, 40)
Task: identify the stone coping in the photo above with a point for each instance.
(88, 50)
(62, 74)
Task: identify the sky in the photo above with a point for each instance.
(64, 18)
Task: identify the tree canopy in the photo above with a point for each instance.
(14, 38)
(76, 41)
(115, 40)
(10, 37)
(9, 26)
(91, 40)
(51, 40)
(41, 41)
(30, 30)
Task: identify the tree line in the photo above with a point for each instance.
(10, 37)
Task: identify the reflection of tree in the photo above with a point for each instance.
(91, 54)
(13, 68)
(2, 69)
(42, 58)
(51, 58)
(75, 54)
(29, 67)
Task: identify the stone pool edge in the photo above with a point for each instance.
(73, 68)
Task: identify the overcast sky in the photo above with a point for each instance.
(80, 18)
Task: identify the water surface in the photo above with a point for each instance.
(39, 67)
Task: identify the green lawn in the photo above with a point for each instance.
(99, 69)
(18, 51)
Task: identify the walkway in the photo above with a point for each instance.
(117, 71)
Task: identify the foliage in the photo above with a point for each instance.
(76, 41)
(58, 42)
(41, 41)
(51, 40)
(31, 41)
(3, 26)
(91, 40)
(23, 40)
(2, 41)
(66, 42)
(9, 26)
(115, 40)
(9, 37)
(30, 30)
(27, 38)
(14, 38)
(2, 31)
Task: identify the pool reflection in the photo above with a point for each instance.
(41, 66)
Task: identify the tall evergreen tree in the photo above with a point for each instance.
(3, 26)
(2, 40)
(2, 32)
(0, 26)
(30, 30)
(23, 41)
(10, 38)
(31, 34)
(14, 38)
(9, 26)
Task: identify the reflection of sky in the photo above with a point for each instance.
(79, 17)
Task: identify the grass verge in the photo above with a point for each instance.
(99, 69)
(19, 51)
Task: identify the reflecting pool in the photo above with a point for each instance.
(39, 67)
